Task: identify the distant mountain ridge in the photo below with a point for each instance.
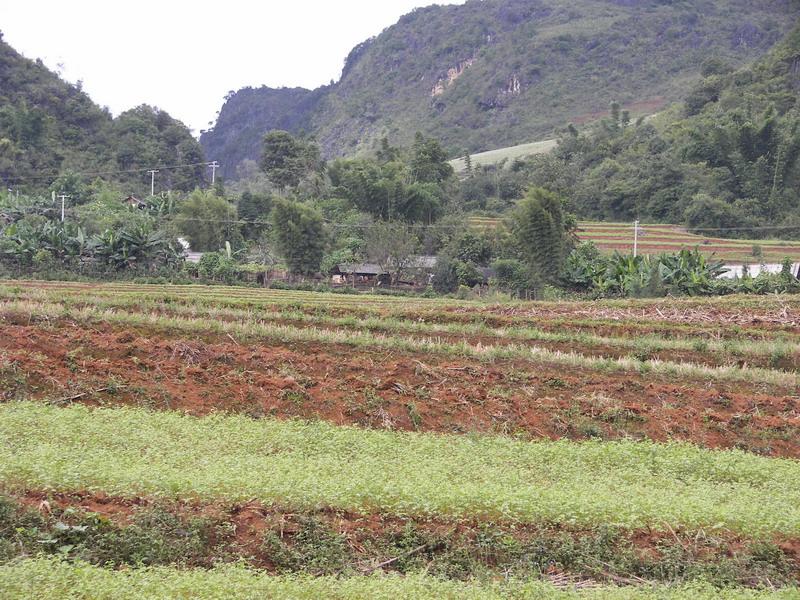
(251, 112)
(495, 73)
(49, 126)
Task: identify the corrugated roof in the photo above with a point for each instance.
(361, 269)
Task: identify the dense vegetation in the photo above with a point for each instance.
(489, 74)
(401, 210)
(38, 577)
(727, 159)
(49, 127)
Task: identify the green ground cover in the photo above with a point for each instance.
(305, 465)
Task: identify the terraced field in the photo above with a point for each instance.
(657, 239)
(231, 442)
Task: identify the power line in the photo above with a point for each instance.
(97, 173)
(240, 221)
(583, 227)
(339, 225)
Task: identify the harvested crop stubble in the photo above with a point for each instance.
(429, 313)
(763, 316)
(713, 351)
(286, 334)
(129, 452)
(48, 578)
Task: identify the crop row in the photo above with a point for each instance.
(284, 333)
(211, 293)
(54, 579)
(786, 347)
(481, 316)
(305, 465)
(769, 318)
(625, 325)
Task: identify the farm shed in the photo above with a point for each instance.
(134, 202)
(360, 274)
(420, 269)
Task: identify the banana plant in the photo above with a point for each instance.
(77, 244)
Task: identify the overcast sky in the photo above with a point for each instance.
(184, 57)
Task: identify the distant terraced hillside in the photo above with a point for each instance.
(656, 239)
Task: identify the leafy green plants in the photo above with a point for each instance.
(33, 578)
(308, 464)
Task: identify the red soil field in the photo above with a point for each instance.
(101, 364)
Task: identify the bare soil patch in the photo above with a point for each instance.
(103, 365)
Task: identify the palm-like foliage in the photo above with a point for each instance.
(136, 246)
(689, 271)
(685, 272)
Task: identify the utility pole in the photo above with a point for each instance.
(63, 197)
(635, 237)
(153, 181)
(214, 166)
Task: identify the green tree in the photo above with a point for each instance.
(537, 226)
(253, 210)
(471, 247)
(387, 153)
(429, 161)
(71, 184)
(299, 236)
(706, 212)
(382, 190)
(512, 275)
(208, 221)
(146, 137)
(445, 275)
(392, 246)
(286, 159)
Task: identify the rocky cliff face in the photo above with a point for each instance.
(493, 73)
(448, 79)
(251, 112)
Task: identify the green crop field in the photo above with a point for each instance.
(37, 578)
(126, 452)
(492, 157)
(205, 441)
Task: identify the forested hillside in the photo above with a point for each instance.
(49, 127)
(728, 158)
(494, 73)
